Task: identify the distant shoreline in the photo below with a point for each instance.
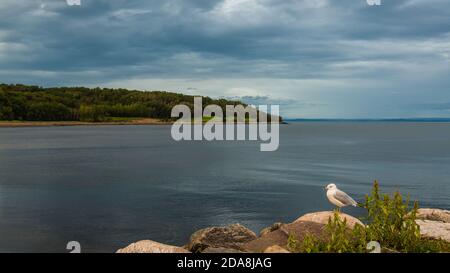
(146, 121)
(372, 120)
(152, 121)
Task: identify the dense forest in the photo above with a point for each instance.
(34, 103)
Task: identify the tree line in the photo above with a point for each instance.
(35, 103)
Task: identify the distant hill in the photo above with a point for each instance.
(34, 103)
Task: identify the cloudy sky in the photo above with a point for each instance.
(316, 58)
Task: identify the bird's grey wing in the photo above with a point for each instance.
(344, 198)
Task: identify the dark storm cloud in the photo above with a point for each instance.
(48, 42)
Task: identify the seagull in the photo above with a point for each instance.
(338, 197)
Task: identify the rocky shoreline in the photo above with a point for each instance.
(235, 238)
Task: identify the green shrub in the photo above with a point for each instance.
(390, 222)
(292, 243)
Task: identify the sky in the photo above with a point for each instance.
(315, 58)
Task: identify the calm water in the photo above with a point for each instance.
(109, 186)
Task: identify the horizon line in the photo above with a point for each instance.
(370, 119)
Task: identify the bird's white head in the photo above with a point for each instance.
(330, 187)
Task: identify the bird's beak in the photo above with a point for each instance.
(325, 188)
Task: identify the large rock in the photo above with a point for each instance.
(434, 229)
(221, 250)
(298, 229)
(229, 237)
(148, 246)
(324, 216)
(275, 249)
(434, 223)
(434, 215)
(270, 229)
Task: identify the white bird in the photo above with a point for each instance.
(338, 197)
